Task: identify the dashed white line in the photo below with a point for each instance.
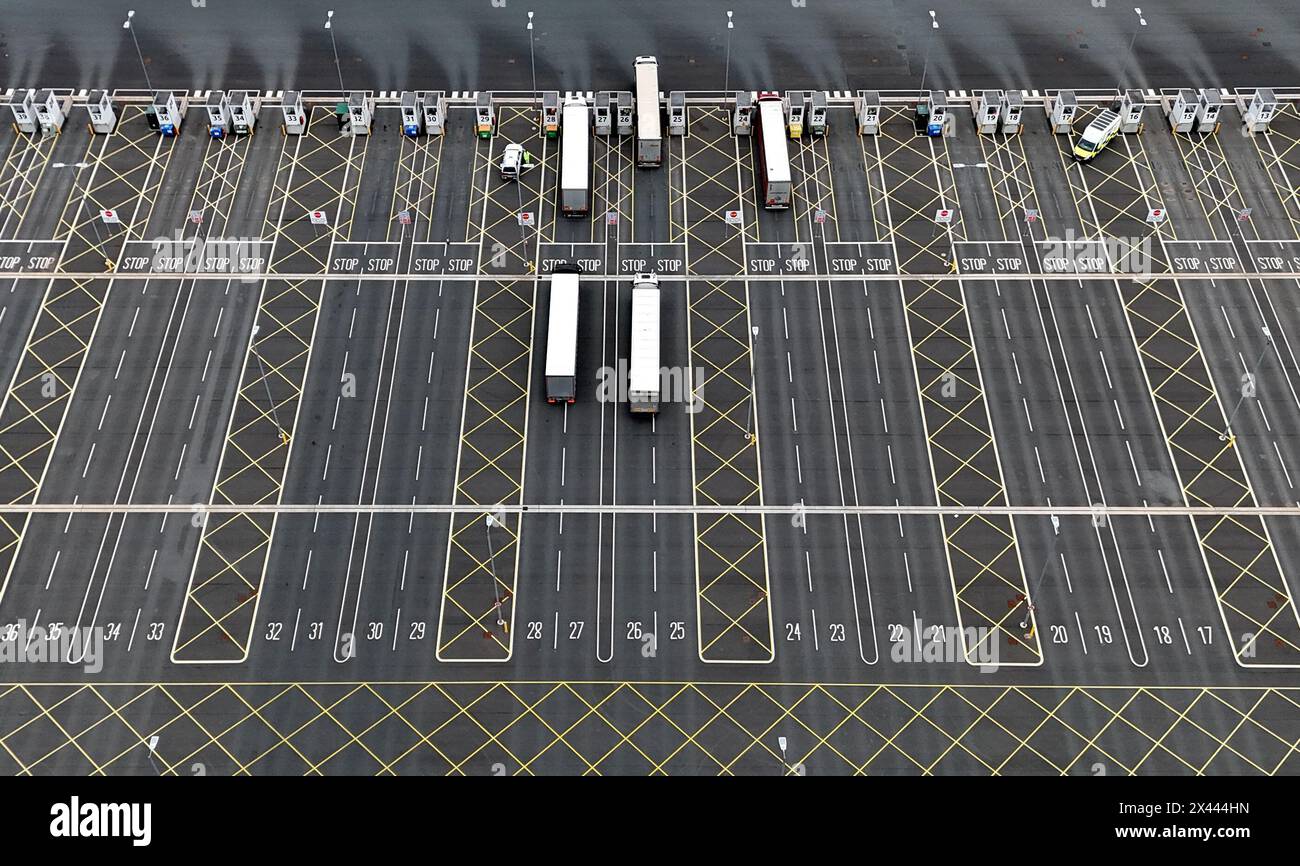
(53, 566)
(1227, 321)
(131, 642)
(149, 574)
(1282, 463)
(1168, 583)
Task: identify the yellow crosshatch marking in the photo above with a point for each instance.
(814, 186)
(317, 171)
(910, 180)
(646, 728)
(733, 596)
(482, 564)
(124, 176)
(494, 206)
(1114, 194)
(24, 166)
(123, 173)
(1010, 179)
(223, 166)
(418, 168)
(1279, 149)
(612, 181)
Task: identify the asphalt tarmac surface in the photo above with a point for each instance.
(588, 45)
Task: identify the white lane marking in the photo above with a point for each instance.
(53, 566)
(1282, 463)
(149, 575)
(131, 642)
(1227, 321)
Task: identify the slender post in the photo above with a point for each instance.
(338, 67)
(532, 61)
(1042, 574)
(1142, 22)
(726, 76)
(492, 565)
(126, 25)
(925, 68)
(750, 408)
